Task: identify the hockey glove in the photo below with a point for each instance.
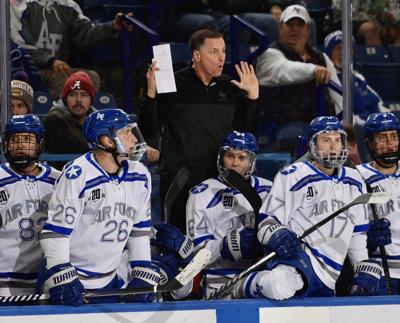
(63, 285)
(281, 240)
(378, 234)
(171, 238)
(145, 274)
(241, 243)
(168, 266)
(366, 279)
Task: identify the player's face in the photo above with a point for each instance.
(336, 56)
(18, 107)
(386, 142)
(294, 33)
(127, 138)
(78, 103)
(329, 144)
(22, 145)
(210, 58)
(238, 160)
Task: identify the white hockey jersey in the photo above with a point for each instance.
(302, 196)
(391, 210)
(99, 213)
(23, 209)
(212, 210)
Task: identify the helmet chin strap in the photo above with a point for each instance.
(378, 160)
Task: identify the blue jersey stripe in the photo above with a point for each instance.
(361, 228)
(57, 229)
(203, 238)
(326, 259)
(143, 224)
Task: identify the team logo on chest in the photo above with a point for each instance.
(3, 197)
(311, 194)
(97, 195)
(228, 201)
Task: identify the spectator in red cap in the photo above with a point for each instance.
(63, 123)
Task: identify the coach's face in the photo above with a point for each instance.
(210, 57)
(78, 103)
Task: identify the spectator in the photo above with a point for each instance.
(192, 15)
(365, 99)
(291, 70)
(195, 119)
(376, 22)
(49, 28)
(63, 124)
(21, 98)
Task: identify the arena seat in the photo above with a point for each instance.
(370, 54)
(42, 103)
(104, 100)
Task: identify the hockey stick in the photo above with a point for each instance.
(238, 182)
(368, 198)
(196, 265)
(173, 191)
(382, 249)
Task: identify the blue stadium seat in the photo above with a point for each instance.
(394, 50)
(268, 164)
(370, 54)
(104, 100)
(383, 78)
(42, 103)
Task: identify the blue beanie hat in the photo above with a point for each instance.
(331, 40)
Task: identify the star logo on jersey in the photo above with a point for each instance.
(73, 172)
(199, 188)
(289, 170)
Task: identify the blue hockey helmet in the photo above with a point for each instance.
(326, 124)
(29, 154)
(244, 141)
(380, 122)
(109, 122)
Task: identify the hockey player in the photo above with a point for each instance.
(302, 195)
(382, 174)
(101, 204)
(25, 189)
(221, 219)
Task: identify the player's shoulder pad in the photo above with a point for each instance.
(264, 181)
(199, 188)
(353, 173)
(138, 167)
(205, 185)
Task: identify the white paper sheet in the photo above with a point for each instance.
(165, 80)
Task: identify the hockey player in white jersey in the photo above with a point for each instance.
(221, 219)
(25, 189)
(101, 204)
(302, 195)
(382, 174)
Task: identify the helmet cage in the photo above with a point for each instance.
(328, 160)
(388, 158)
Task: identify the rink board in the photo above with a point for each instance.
(319, 310)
